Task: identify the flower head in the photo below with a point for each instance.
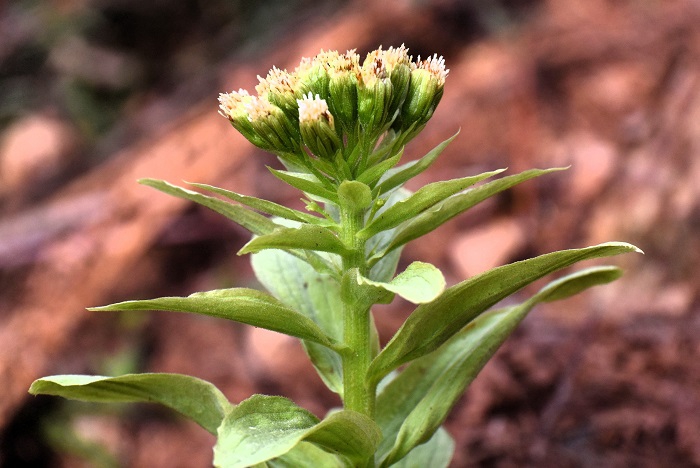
(373, 93)
(343, 75)
(424, 92)
(317, 127)
(333, 101)
(279, 87)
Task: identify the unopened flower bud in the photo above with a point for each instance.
(398, 64)
(233, 106)
(373, 95)
(312, 74)
(424, 92)
(317, 127)
(273, 126)
(342, 89)
(279, 88)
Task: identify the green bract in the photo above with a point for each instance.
(340, 125)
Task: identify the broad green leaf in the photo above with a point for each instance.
(354, 195)
(347, 433)
(259, 429)
(413, 168)
(194, 398)
(312, 294)
(307, 183)
(439, 379)
(267, 206)
(432, 324)
(443, 211)
(307, 454)
(305, 237)
(420, 201)
(436, 453)
(419, 283)
(243, 305)
(263, 428)
(252, 221)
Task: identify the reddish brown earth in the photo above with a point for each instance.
(610, 379)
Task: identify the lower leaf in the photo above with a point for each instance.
(439, 379)
(194, 398)
(263, 428)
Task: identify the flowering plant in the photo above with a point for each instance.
(339, 126)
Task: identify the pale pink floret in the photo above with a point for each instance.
(232, 105)
(436, 66)
(313, 108)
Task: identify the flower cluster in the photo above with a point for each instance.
(333, 103)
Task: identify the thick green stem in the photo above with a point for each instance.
(356, 321)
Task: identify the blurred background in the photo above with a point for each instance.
(95, 94)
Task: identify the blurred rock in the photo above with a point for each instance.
(593, 162)
(486, 247)
(33, 150)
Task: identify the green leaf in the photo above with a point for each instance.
(420, 201)
(439, 379)
(432, 324)
(307, 454)
(243, 305)
(307, 183)
(413, 168)
(259, 429)
(436, 453)
(574, 283)
(263, 428)
(194, 398)
(347, 433)
(252, 221)
(419, 283)
(354, 195)
(305, 236)
(442, 212)
(384, 269)
(267, 206)
(376, 171)
(312, 294)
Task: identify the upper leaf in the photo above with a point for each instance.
(413, 168)
(432, 324)
(243, 305)
(419, 283)
(252, 221)
(307, 183)
(305, 236)
(194, 398)
(420, 201)
(267, 206)
(443, 211)
(421, 397)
